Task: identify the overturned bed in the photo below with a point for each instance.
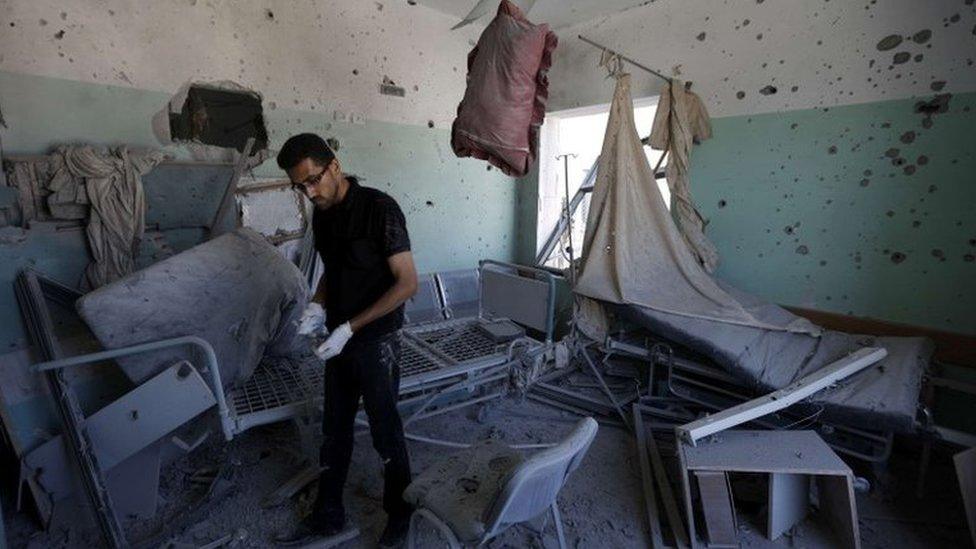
(249, 366)
(884, 397)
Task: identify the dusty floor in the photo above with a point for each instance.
(602, 504)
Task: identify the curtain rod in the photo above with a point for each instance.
(624, 58)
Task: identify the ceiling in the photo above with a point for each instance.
(558, 13)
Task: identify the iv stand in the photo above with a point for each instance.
(576, 346)
(569, 219)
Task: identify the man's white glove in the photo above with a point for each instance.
(312, 321)
(334, 344)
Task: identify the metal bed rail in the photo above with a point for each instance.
(434, 357)
(209, 358)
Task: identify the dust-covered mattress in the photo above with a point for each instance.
(236, 291)
(884, 396)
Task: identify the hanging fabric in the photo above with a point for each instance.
(681, 120)
(508, 86)
(108, 183)
(632, 251)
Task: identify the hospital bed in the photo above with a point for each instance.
(447, 342)
(883, 397)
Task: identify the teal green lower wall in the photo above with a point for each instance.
(808, 208)
(527, 216)
(457, 210)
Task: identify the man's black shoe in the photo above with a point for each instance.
(395, 533)
(309, 530)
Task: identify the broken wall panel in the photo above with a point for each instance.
(221, 117)
(184, 195)
(273, 209)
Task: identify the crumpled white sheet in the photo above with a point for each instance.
(633, 252)
(102, 185)
(109, 181)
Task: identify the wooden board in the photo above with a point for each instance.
(837, 502)
(966, 472)
(667, 494)
(800, 452)
(787, 502)
(717, 509)
(650, 501)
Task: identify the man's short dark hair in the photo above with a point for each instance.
(302, 146)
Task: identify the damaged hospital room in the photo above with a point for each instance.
(487, 273)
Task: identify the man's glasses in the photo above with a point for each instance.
(309, 182)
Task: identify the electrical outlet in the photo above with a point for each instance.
(359, 118)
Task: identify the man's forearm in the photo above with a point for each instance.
(399, 293)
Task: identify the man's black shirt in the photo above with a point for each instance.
(354, 238)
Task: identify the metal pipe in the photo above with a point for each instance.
(210, 357)
(463, 404)
(603, 383)
(231, 190)
(624, 58)
(461, 385)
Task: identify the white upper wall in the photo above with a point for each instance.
(332, 55)
(816, 53)
(322, 55)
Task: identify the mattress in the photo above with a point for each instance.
(883, 396)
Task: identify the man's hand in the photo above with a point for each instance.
(312, 321)
(334, 344)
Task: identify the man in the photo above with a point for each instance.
(361, 235)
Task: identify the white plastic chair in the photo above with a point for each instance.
(513, 490)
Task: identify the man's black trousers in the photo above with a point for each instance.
(371, 370)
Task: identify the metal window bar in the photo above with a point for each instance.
(562, 225)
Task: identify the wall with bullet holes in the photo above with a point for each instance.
(840, 176)
(77, 72)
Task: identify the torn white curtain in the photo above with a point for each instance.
(109, 182)
(632, 250)
(680, 121)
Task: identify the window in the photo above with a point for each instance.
(579, 132)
